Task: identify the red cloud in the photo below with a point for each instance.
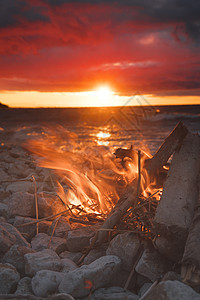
(73, 47)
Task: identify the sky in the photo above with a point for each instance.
(93, 53)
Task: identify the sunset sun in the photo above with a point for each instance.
(104, 96)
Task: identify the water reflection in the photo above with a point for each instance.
(102, 137)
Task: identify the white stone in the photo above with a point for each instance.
(68, 265)
(49, 205)
(61, 296)
(3, 210)
(152, 265)
(62, 227)
(46, 282)
(7, 239)
(9, 278)
(172, 290)
(113, 293)
(94, 254)
(43, 260)
(74, 256)
(80, 238)
(41, 241)
(126, 247)
(20, 240)
(24, 287)
(80, 282)
(20, 186)
(3, 175)
(30, 231)
(15, 257)
(21, 204)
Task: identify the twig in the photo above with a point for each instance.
(120, 230)
(139, 174)
(43, 219)
(138, 256)
(141, 205)
(36, 203)
(75, 220)
(54, 228)
(151, 287)
(66, 205)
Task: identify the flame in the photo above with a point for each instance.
(89, 179)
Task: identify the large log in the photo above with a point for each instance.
(129, 198)
(176, 209)
(171, 143)
(190, 269)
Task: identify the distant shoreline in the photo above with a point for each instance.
(96, 107)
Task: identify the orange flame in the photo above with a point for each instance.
(91, 175)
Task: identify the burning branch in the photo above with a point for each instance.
(153, 166)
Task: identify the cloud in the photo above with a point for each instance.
(64, 45)
(13, 12)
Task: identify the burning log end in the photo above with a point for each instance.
(171, 143)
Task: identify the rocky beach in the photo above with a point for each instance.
(45, 252)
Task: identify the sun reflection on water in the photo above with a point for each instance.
(101, 138)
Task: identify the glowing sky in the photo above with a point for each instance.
(50, 50)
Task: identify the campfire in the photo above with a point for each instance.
(91, 186)
(125, 193)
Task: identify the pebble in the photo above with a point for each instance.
(61, 229)
(4, 210)
(15, 257)
(113, 293)
(24, 287)
(30, 231)
(41, 241)
(170, 290)
(20, 186)
(49, 205)
(78, 239)
(21, 204)
(46, 282)
(9, 278)
(152, 265)
(20, 240)
(74, 256)
(7, 239)
(81, 281)
(43, 260)
(68, 265)
(94, 254)
(126, 247)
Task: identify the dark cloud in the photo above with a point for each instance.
(12, 12)
(160, 11)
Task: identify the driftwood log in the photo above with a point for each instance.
(190, 269)
(129, 198)
(180, 193)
